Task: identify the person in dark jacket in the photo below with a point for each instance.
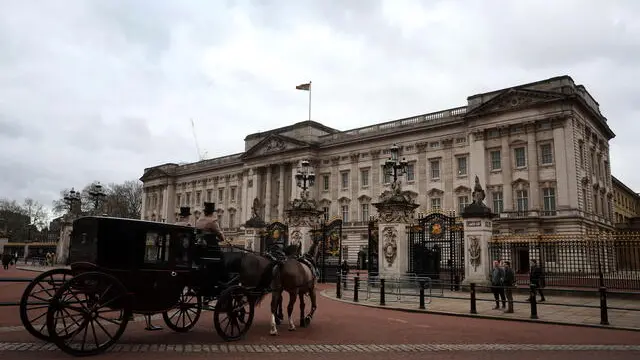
(536, 277)
(497, 285)
(509, 283)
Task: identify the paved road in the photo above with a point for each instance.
(338, 328)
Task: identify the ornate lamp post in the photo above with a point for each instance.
(395, 167)
(305, 178)
(97, 194)
(71, 199)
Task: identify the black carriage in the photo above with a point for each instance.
(122, 267)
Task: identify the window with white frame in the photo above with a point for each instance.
(520, 157)
(498, 202)
(386, 175)
(463, 201)
(178, 199)
(462, 165)
(522, 200)
(232, 220)
(209, 195)
(549, 199)
(220, 195)
(496, 161)
(365, 212)
(345, 213)
(232, 197)
(411, 175)
(325, 182)
(344, 180)
(546, 154)
(435, 169)
(364, 177)
(198, 198)
(188, 199)
(435, 203)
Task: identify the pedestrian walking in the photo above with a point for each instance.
(509, 284)
(497, 284)
(536, 278)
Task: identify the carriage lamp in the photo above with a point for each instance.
(393, 166)
(71, 197)
(305, 178)
(97, 194)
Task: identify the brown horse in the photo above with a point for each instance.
(296, 277)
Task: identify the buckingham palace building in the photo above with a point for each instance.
(540, 150)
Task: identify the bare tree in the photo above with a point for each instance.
(124, 200)
(36, 213)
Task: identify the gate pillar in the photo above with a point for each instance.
(395, 213)
(478, 229)
(302, 219)
(254, 229)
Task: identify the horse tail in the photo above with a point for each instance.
(270, 273)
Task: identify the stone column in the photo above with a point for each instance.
(267, 196)
(394, 215)
(532, 166)
(245, 213)
(62, 248)
(564, 168)
(281, 192)
(143, 210)
(507, 177)
(477, 233)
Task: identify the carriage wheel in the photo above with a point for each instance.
(88, 314)
(233, 313)
(35, 301)
(187, 312)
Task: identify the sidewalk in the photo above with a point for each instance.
(40, 269)
(573, 310)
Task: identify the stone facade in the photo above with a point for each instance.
(540, 150)
(626, 203)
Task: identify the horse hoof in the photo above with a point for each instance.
(292, 328)
(307, 321)
(273, 333)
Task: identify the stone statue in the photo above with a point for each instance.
(478, 193)
(255, 209)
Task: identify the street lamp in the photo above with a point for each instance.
(393, 166)
(97, 194)
(305, 178)
(71, 198)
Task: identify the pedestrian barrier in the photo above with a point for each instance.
(410, 287)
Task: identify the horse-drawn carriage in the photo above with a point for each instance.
(121, 267)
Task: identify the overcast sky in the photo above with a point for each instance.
(99, 90)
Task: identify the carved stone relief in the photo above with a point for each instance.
(273, 145)
(390, 244)
(396, 214)
(296, 237)
(474, 252)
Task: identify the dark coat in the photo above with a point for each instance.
(536, 276)
(509, 277)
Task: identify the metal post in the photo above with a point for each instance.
(422, 294)
(356, 286)
(534, 303)
(382, 291)
(472, 286)
(338, 289)
(604, 310)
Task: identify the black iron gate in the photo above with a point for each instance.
(330, 251)
(436, 249)
(276, 235)
(372, 249)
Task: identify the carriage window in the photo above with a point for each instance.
(156, 248)
(180, 250)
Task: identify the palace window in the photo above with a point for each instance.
(386, 175)
(411, 172)
(498, 202)
(365, 212)
(364, 177)
(435, 204)
(546, 154)
(325, 213)
(232, 197)
(178, 199)
(209, 195)
(232, 220)
(581, 154)
(325, 182)
(344, 180)
(198, 198)
(345, 213)
(520, 157)
(463, 201)
(188, 199)
(221, 195)
(435, 169)
(549, 201)
(522, 200)
(462, 165)
(496, 161)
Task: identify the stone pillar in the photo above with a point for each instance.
(62, 248)
(302, 219)
(267, 196)
(395, 213)
(477, 233)
(251, 238)
(532, 166)
(281, 192)
(143, 210)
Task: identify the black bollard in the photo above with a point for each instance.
(472, 287)
(421, 294)
(356, 287)
(382, 292)
(604, 310)
(338, 288)
(534, 302)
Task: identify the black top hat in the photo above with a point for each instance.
(185, 211)
(209, 208)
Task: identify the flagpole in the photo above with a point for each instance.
(309, 100)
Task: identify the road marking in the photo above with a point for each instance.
(398, 320)
(318, 348)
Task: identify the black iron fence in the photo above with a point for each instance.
(573, 261)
